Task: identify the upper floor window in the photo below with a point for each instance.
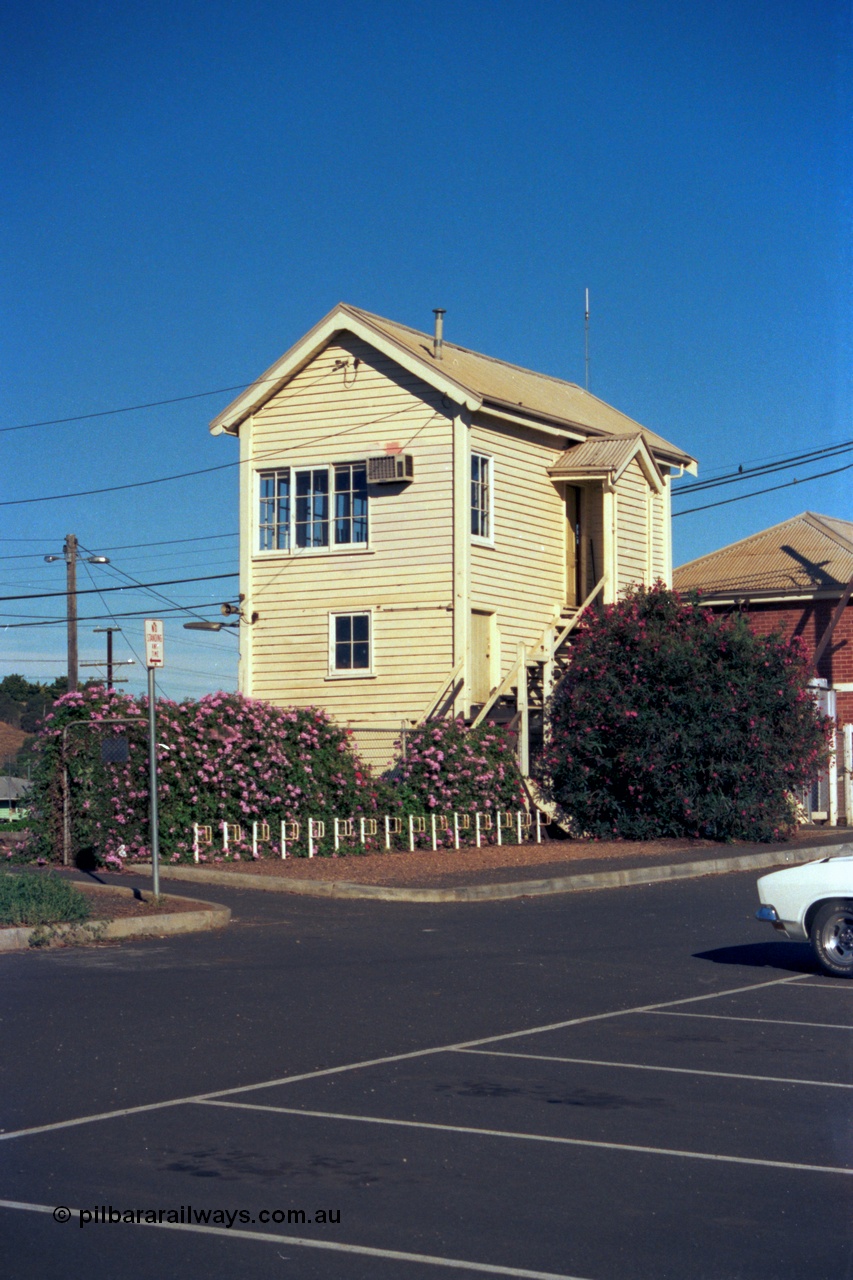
(312, 508)
(309, 508)
(274, 513)
(481, 496)
(350, 503)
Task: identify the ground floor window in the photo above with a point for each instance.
(350, 643)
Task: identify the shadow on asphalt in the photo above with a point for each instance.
(792, 957)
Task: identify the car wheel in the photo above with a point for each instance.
(831, 938)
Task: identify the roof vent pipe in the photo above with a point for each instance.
(438, 340)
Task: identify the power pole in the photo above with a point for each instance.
(70, 551)
(69, 555)
(110, 664)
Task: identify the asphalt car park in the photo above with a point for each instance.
(500, 1089)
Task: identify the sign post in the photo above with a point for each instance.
(154, 658)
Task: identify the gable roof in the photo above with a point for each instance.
(802, 556)
(605, 458)
(468, 378)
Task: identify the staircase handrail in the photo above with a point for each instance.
(575, 619)
(511, 676)
(549, 647)
(442, 691)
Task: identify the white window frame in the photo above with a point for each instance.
(256, 512)
(331, 547)
(488, 539)
(351, 673)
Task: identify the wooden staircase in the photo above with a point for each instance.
(519, 701)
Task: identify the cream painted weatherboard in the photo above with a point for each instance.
(521, 576)
(432, 594)
(331, 413)
(633, 529)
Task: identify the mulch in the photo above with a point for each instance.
(494, 863)
(117, 904)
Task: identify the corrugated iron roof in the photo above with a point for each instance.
(481, 382)
(807, 553)
(510, 386)
(602, 453)
(13, 788)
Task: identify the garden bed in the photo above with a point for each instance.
(114, 902)
(114, 912)
(502, 863)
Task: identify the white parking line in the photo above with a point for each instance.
(120, 1112)
(267, 1237)
(827, 983)
(530, 1137)
(777, 1022)
(644, 1066)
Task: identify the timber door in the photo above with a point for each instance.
(574, 559)
(483, 639)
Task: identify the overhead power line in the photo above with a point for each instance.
(117, 488)
(127, 546)
(89, 591)
(158, 595)
(170, 542)
(770, 468)
(156, 404)
(222, 466)
(104, 617)
(130, 408)
(741, 497)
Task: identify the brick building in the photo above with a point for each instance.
(794, 578)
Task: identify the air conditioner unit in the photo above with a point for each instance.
(391, 468)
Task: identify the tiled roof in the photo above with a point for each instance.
(807, 553)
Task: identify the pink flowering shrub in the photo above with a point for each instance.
(222, 758)
(449, 767)
(674, 721)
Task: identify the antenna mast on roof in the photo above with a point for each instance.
(586, 340)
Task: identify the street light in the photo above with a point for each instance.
(227, 610)
(69, 555)
(208, 626)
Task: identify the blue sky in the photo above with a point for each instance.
(188, 187)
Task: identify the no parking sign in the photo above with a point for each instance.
(154, 642)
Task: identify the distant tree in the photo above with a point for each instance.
(673, 721)
(18, 688)
(25, 704)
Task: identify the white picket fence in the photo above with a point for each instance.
(509, 826)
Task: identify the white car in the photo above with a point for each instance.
(814, 902)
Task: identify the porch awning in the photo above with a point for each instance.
(605, 459)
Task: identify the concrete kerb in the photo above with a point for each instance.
(210, 915)
(512, 889)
